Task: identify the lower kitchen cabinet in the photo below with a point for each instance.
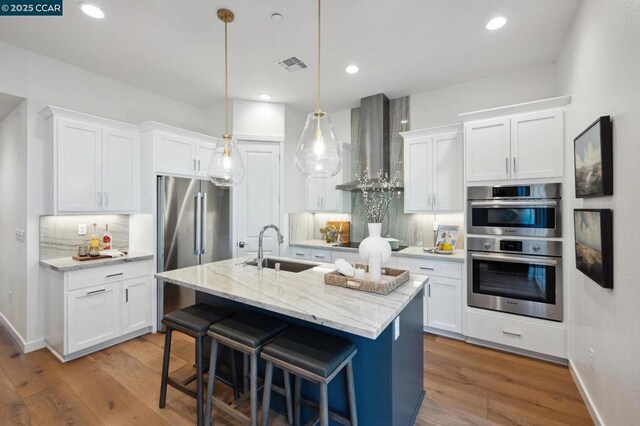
(89, 309)
(443, 304)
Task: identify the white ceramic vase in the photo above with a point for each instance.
(375, 243)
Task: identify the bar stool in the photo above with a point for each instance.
(246, 332)
(193, 321)
(317, 357)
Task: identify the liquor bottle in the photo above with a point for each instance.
(106, 239)
(94, 242)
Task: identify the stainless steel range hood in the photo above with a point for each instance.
(374, 151)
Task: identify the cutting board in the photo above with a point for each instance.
(346, 229)
(85, 258)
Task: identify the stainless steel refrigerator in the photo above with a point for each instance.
(193, 229)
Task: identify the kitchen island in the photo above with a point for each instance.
(387, 330)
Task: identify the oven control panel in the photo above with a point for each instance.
(511, 245)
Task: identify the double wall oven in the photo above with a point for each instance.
(514, 257)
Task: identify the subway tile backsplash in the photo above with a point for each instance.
(59, 234)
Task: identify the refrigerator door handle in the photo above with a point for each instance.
(197, 235)
(203, 221)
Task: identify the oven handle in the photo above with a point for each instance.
(513, 203)
(515, 259)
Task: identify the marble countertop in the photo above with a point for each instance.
(300, 295)
(412, 251)
(64, 264)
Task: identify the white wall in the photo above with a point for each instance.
(13, 215)
(442, 106)
(600, 67)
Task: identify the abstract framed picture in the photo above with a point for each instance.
(594, 244)
(593, 154)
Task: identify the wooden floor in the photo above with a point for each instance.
(465, 385)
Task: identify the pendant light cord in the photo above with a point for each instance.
(226, 88)
(318, 74)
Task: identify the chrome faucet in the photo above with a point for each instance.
(260, 259)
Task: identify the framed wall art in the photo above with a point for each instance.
(594, 244)
(593, 153)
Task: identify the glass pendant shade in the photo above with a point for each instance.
(225, 167)
(319, 153)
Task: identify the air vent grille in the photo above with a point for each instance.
(292, 64)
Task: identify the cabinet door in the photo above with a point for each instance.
(488, 150)
(447, 180)
(136, 308)
(93, 316)
(444, 304)
(120, 170)
(204, 151)
(418, 168)
(79, 166)
(175, 154)
(313, 191)
(537, 145)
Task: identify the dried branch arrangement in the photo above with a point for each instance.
(377, 194)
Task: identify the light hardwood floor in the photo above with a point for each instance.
(465, 385)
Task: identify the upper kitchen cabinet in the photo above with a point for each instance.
(433, 171)
(92, 164)
(525, 142)
(321, 194)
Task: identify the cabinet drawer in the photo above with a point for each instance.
(300, 253)
(528, 335)
(321, 255)
(436, 268)
(107, 274)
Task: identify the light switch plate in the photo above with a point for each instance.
(82, 229)
(396, 328)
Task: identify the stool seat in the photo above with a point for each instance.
(197, 318)
(313, 351)
(249, 328)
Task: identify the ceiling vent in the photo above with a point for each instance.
(292, 64)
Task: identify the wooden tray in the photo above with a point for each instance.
(391, 280)
(87, 257)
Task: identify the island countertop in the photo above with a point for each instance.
(301, 295)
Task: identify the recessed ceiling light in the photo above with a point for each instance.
(276, 17)
(92, 10)
(352, 69)
(496, 23)
(265, 96)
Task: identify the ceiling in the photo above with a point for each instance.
(175, 48)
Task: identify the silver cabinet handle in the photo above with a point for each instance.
(427, 268)
(429, 200)
(106, 198)
(126, 295)
(429, 289)
(512, 333)
(194, 165)
(99, 194)
(299, 254)
(203, 217)
(435, 200)
(506, 164)
(317, 256)
(198, 165)
(197, 223)
(97, 291)
(514, 165)
(114, 275)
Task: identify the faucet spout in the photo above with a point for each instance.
(260, 259)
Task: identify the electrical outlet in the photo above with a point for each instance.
(20, 235)
(592, 359)
(396, 327)
(82, 229)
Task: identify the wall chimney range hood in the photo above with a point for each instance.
(374, 151)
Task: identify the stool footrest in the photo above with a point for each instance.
(231, 411)
(181, 387)
(332, 414)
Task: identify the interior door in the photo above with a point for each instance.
(257, 198)
(120, 170)
(447, 172)
(79, 167)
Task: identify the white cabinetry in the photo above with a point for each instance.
(433, 170)
(321, 194)
(89, 309)
(443, 296)
(518, 142)
(91, 164)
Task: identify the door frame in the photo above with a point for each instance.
(252, 139)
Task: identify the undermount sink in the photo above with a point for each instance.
(285, 265)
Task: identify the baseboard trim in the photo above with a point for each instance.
(584, 393)
(449, 334)
(100, 346)
(505, 348)
(25, 346)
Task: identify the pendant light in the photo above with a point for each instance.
(225, 167)
(318, 153)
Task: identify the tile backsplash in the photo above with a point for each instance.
(59, 234)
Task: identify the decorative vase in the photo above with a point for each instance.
(375, 243)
